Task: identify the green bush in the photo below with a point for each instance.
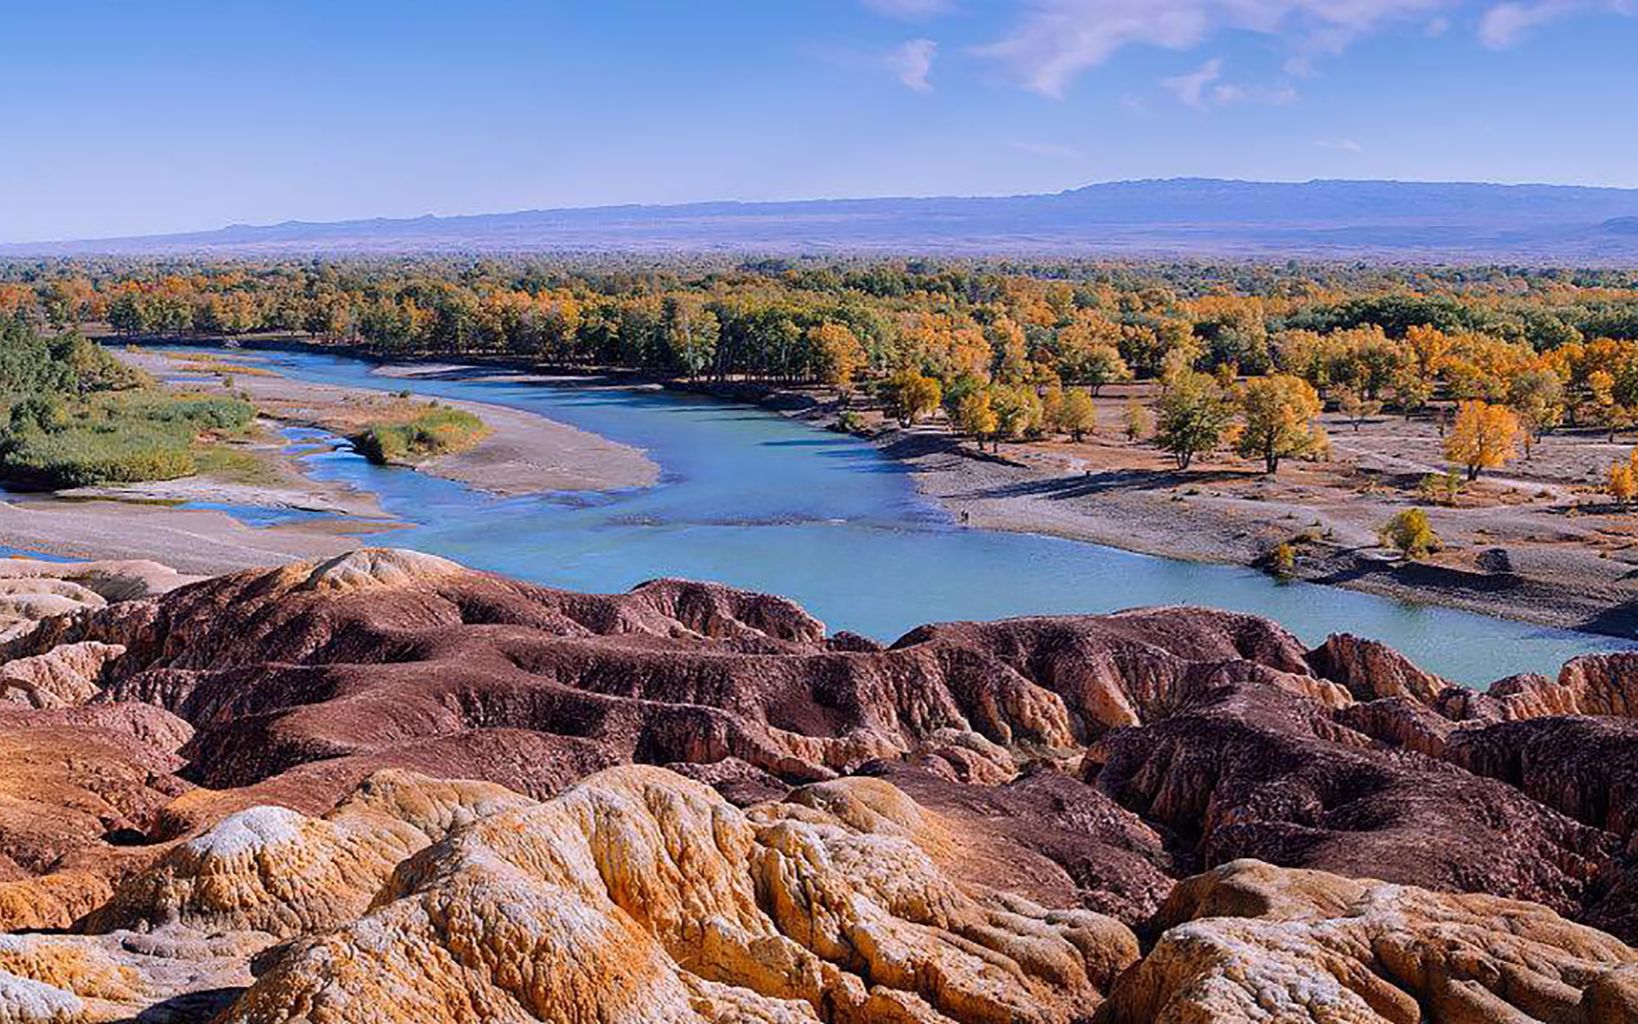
(438, 430)
(111, 438)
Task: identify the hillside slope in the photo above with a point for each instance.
(1185, 217)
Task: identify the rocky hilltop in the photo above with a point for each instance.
(385, 787)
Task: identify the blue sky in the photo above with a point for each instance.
(130, 117)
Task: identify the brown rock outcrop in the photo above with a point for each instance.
(270, 869)
(380, 659)
(31, 590)
(1252, 771)
(1372, 670)
(1250, 942)
(261, 764)
(64, 676)
(639, 895)
(71, 779)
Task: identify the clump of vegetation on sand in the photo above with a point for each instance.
(414, 432)
(71, 415)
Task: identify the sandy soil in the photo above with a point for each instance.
(524, 453)
(192, 541)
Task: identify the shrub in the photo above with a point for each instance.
(849, 422)
(1440, 488)
(1411, 534)
(1282, 561)
(438, 430)
(112, 438)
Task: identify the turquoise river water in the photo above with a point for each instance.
(752, 499)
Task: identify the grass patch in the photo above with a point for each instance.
(114, 437)
(418, 432)
(224, 367)
(234, 464)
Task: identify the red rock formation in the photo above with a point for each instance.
(871, 832)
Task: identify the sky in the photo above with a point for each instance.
(172, 115)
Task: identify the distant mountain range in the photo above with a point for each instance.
(1180, 217)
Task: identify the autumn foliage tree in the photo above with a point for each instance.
(912, 395)
(1279, 413)
(1622, 484)
(1192, 415)
(840, 355)
(1411, 534)
(975, 417)
(1483, 437)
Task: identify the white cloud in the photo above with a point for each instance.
(1191, 88)
(1508, 23)
(1056, 40)
(1505, 24)
(1204, 87)
(1343, 145)
(912, 62)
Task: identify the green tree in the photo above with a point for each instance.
(1136, 420)
(691, 334)
(1193, 413)
(1018, 410)
(1537, 396)
(1076, 415)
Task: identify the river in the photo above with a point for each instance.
(750, 498)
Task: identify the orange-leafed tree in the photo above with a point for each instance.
(1484, 437)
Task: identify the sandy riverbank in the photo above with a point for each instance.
(523, 453)
(1565, 580)
(1536, 543)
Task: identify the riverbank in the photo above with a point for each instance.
(1499, 563)
(1533, 546)
(1538, 544)
(523, 453)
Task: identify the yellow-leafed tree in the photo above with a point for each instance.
(1484, 437)
(1279, 413)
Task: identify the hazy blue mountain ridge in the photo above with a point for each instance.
(1178, 217)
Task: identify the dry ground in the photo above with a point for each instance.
(1535, 541)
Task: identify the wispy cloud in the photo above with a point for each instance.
(1056, 40)
(1204, 87)
(1343, 145)
(912, 62)
(1191, 88)
(1506, 24)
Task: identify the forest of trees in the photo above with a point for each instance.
(1004, 348)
